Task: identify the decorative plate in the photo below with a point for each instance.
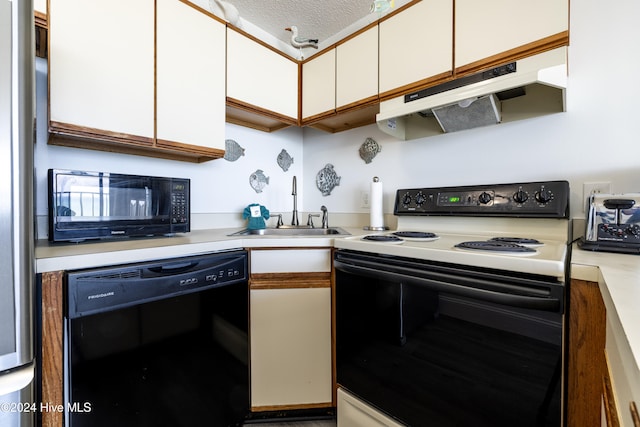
(327, 179)
(369, 149)
(284, 160)
(232, 150)
(258, 180)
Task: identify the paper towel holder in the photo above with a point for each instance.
(370, 228)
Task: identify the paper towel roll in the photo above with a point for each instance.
(375, 205)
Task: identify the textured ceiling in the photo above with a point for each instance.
(326, 20)
(318, 19)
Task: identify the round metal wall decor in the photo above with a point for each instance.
(369, 149)
(327, 179)
(232, 150)
(285, 160)
(258, 180)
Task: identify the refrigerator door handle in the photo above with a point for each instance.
(16, 379)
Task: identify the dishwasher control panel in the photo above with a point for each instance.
(105, 289)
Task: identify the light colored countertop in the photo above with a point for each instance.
(74, 256)
(619, 279)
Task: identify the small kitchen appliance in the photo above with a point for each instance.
(102, 205)
(613, 223)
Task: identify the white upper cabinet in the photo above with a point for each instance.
(319, 84)
(487, 28)
(190, 76)
(40, 6)
(416, 45)
(261, 77)
(357, 68)
(101, 65)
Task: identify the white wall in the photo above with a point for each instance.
(597, 139)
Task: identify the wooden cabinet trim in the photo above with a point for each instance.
(212, 153)
(609, 400)
(372, 100)
(419, 85)
(40, 19)
(70, 136)
(398, 10)
(260, 42)
(533, 48)
(253, 109)
(349, 119)
(52, 352)
(318, 117)
(290, 280)
(204, 11)
(586, 364)
(61, 130)
(267, 408)
(634, 414)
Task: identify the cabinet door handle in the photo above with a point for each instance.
(634, 414)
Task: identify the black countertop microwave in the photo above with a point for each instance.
(100, 205)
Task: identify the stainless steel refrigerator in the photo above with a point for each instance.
(17, 401)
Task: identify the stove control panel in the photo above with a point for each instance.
(548, 199)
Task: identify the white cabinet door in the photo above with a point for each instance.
(290, 328)
(416, 44)
(259, 76)
(190, 76)
(101, 60)
(290, 261)
(290, 347)
(357, 68)
(40, 6)
(319, 84)
(486, 28)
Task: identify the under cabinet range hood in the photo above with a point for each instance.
(530, 87)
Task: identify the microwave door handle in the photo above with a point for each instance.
(520, 301)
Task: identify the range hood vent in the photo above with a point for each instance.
(530, 87)
(468, 114)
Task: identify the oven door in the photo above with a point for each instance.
(445, 345)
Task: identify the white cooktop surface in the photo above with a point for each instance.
(548, 259)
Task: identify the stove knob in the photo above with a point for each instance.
(406, 199)
(420, 199)
(543, 196)
(520, 196)
(484, 198)
(634, 230)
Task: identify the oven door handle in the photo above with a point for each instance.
(521, 301)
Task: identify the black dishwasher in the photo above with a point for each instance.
(159, 343)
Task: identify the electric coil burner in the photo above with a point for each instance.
(517, 240)
(416, 235)
(466, 312)
(383, 238)
(496, 246)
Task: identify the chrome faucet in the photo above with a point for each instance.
(310, 220)
(294, 193)
(325, 216)
(279, 223)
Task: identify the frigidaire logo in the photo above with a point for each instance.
(103, 295)
(117, 232)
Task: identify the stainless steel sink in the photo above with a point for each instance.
(292, 231)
